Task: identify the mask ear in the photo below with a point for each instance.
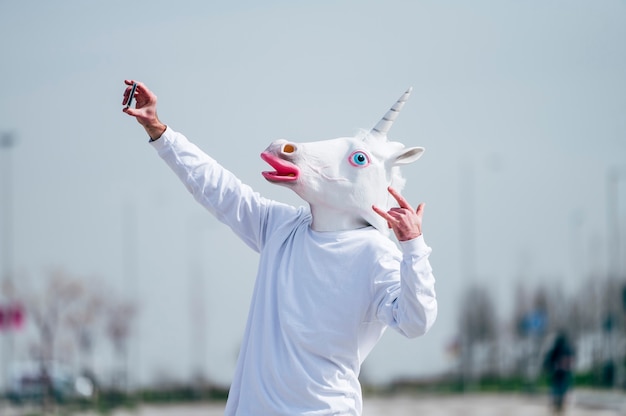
(406, 156)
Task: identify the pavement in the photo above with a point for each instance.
(580, 403)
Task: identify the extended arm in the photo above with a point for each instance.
(214, 187)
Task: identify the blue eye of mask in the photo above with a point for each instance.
(359, 159)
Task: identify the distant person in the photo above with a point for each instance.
(329, 280)
(559, 365)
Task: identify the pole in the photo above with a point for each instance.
(197, 311)
(7, 141)
(613, 229)
(131, 284)
(467, 225)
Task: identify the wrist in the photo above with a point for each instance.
(409, 236)
(155, 129)
(416, 246)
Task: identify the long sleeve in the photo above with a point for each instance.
(217, 189)
(410, 304)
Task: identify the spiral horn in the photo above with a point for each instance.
(382, 127)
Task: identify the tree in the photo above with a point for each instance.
(477, 328)
(67, 318)
(119, 317)
(48, 309)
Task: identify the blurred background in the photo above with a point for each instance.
(115, 280)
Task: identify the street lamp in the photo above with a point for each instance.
(613, 226)
(7, 140)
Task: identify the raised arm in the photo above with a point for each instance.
(145, 110)
(410, 306)
(214, 187)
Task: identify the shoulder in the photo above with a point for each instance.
(284, 218)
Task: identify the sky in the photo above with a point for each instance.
(521, 106)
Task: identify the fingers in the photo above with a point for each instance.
(383, 214)
(403, 203)
(130, 111)
(128, 82)
(393, 217)
(420, 209)
(406, 223)
(128, 89)
(394, 214)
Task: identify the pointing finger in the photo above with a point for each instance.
(400, 199)
(383, 214)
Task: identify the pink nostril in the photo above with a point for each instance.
(288, 148)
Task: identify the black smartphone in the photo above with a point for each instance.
(131, 95)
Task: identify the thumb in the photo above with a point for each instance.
(130, 111)
(420, 209)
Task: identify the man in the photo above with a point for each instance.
(559, 364)
(324, 294)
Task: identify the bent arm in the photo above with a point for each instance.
(409, 305)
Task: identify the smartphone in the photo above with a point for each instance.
(131, 95)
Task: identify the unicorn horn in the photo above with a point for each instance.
(382, 128)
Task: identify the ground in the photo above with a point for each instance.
(581, 403)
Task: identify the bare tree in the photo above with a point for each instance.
(120, 315)
(48, 309)
(84, 323)
(477, 328)
(67, 317)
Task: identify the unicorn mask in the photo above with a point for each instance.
(342, 178)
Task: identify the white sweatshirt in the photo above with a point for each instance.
(321, 299)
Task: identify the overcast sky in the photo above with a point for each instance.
(521, 106)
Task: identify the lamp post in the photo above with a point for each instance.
(7, 140)
(613, 226)
(6, 143)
